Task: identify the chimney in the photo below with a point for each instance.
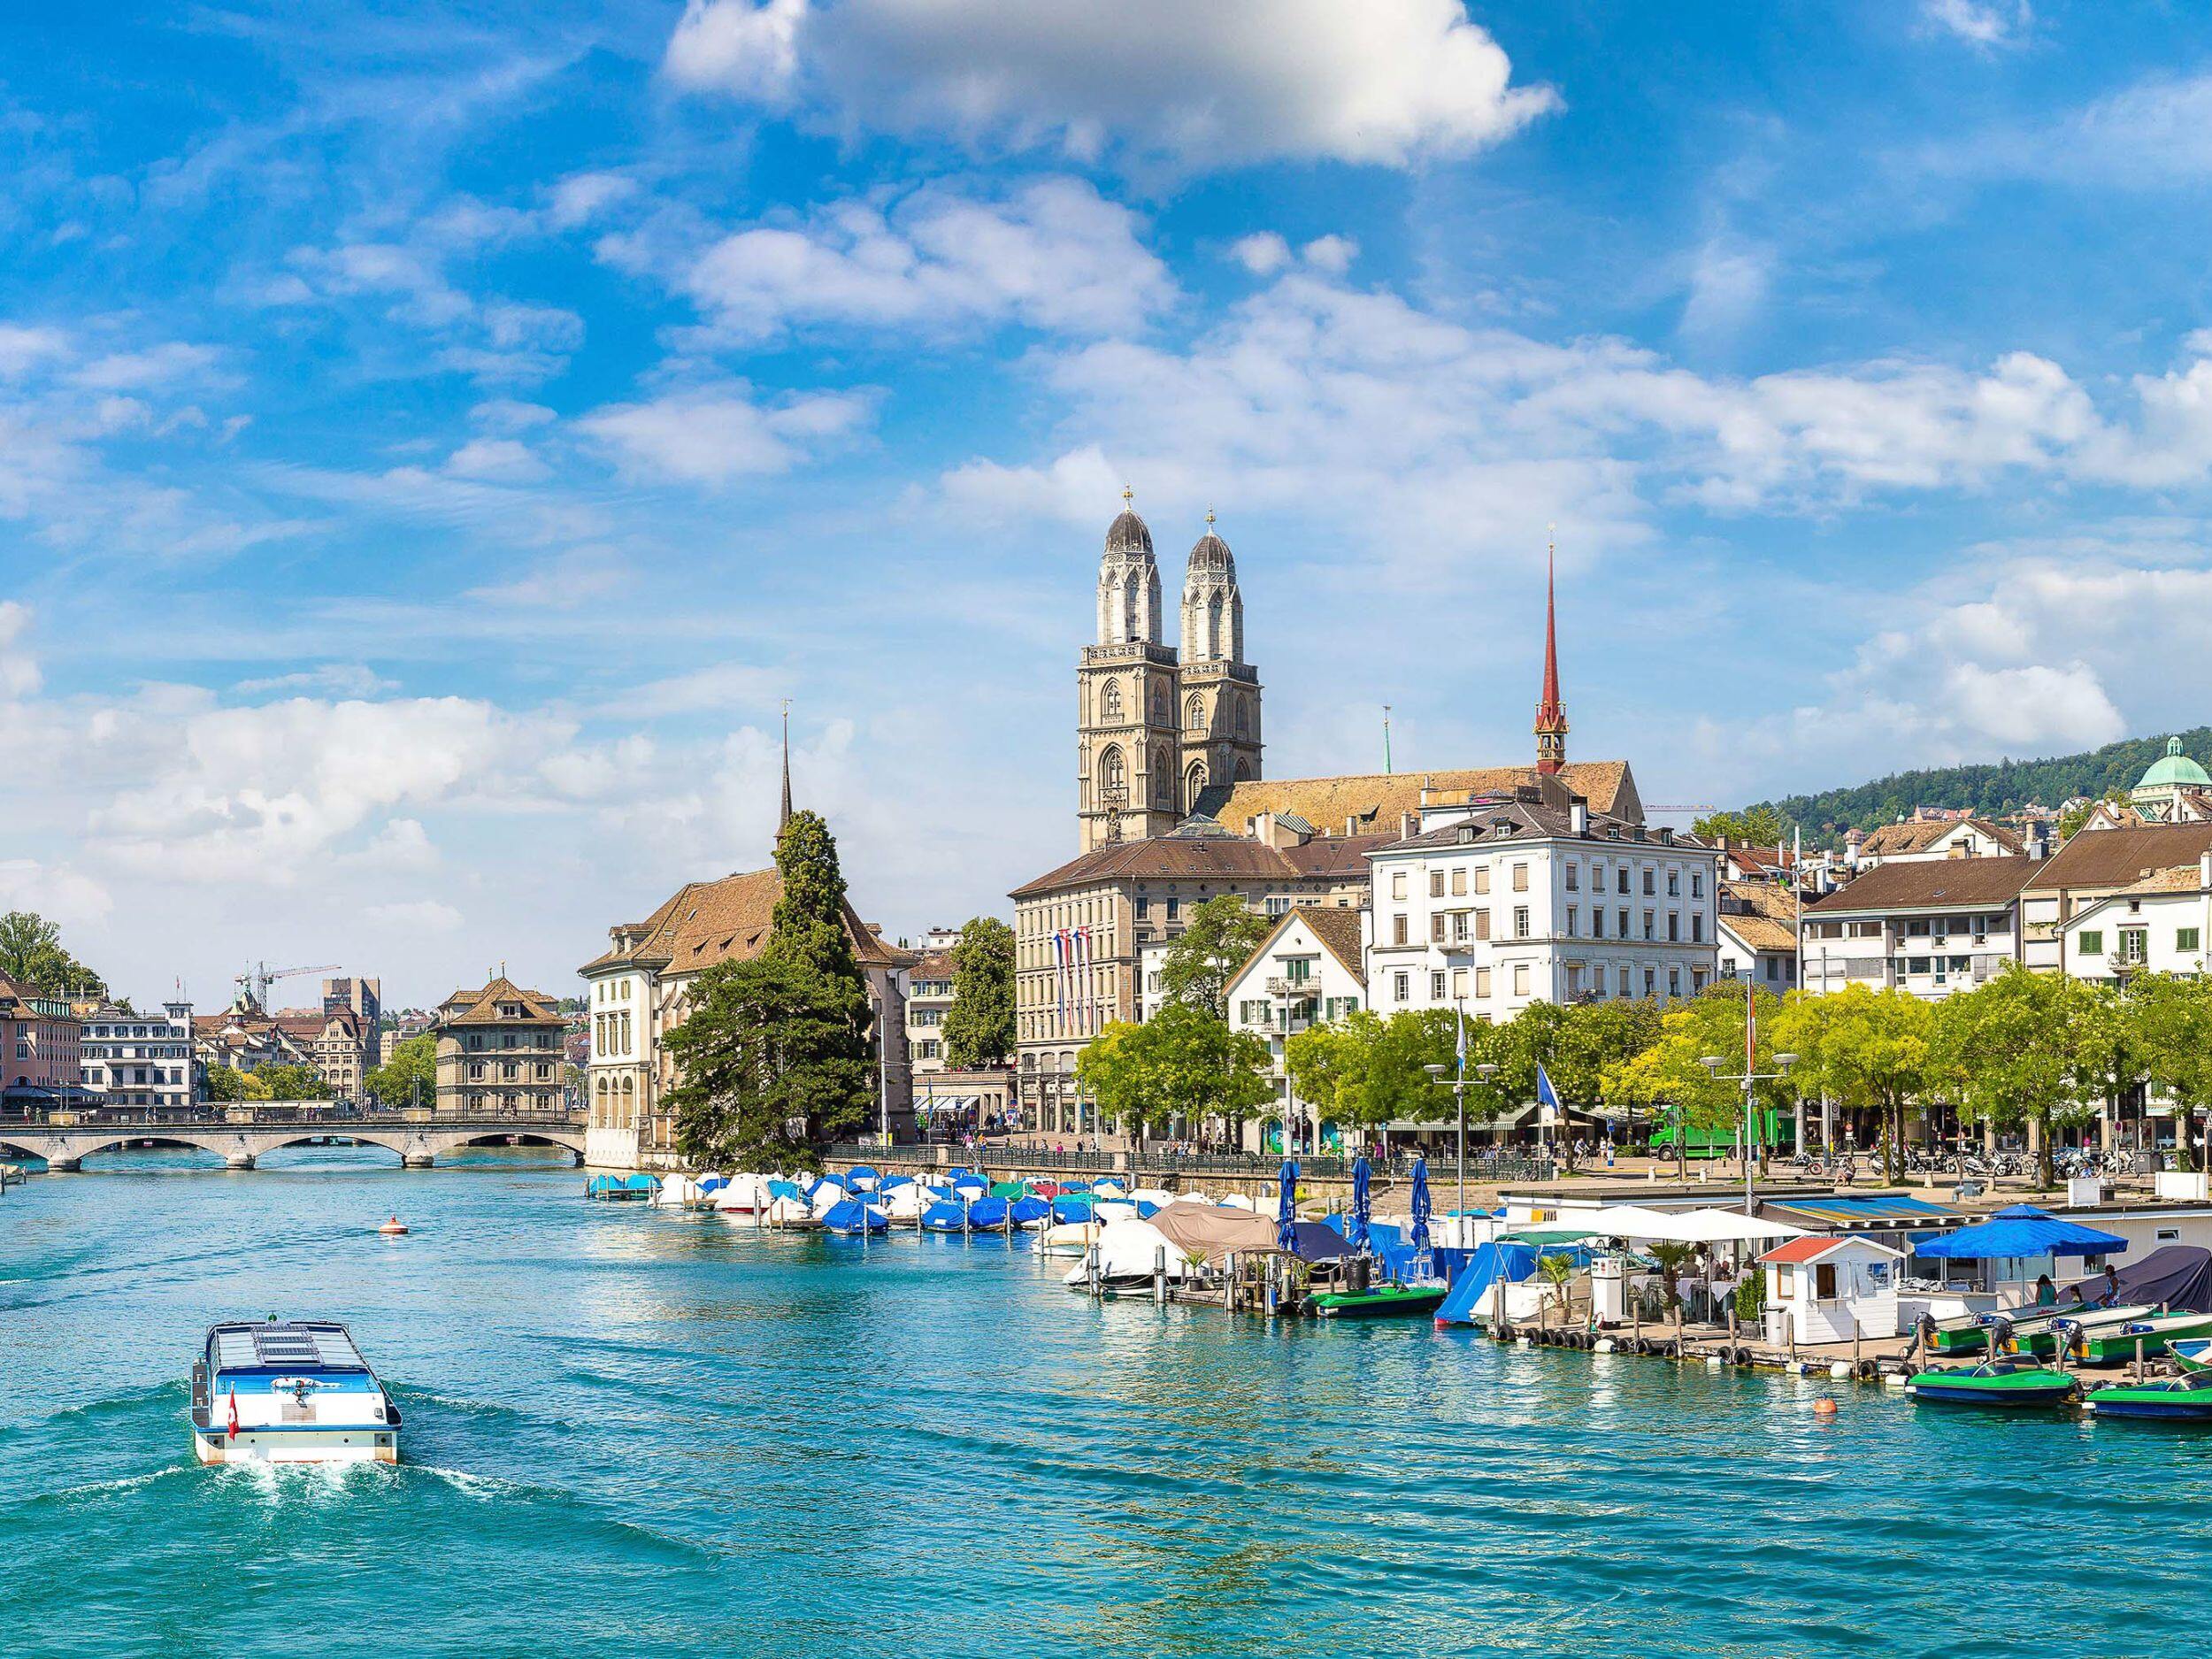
(1578, 817)
(1405, 826)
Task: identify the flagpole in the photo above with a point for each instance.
(1459, 1095)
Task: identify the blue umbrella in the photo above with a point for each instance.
(1361, 1175)
(1286, 1219)
(2021, 1231)
(1420, 1206)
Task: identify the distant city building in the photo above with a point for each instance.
(928, 1000)
(1309, 970)
(1757, 924)
(1924, 840)
(1930, 926)
(133, 1059)
(364, 999)
(2157, 924)
(2091, 868)
(1497, 905)
(499, 1051)
(40, 1049)
(2174, 790)
(243, 1038)
(335, 1042)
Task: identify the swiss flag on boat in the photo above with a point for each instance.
(233, 1414)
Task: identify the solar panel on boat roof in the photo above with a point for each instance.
(287, 1347)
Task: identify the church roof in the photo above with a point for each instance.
(1375, 802)
(2176, 769)
(706, 922)
(1210, 553)
(1128, 534)
(1211, 857)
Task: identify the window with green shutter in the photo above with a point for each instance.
(2185, 938)
(2092, 943)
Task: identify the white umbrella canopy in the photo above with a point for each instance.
(1687, 1227)
(1732, 1226)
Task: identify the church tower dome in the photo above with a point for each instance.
(1128, 582)
(1220, 690)
(1128, 782)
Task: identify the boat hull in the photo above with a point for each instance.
(2107, 1347)
(2169, 1405)
(1383, 1304)
(2013, 1391)
(368, 1444)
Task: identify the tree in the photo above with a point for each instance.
(31, 952)
(1183, 1063)
(772, 1065)
(978, 1028)
(1397, 1086)
(225, 1083)
(1328, 1063)
(1219, 939)
(254, 1085)
(1866, 1049)
(2009, 1047)
(808, 926)
(1559, 1273)
(412, 1065)
(2174, 1030)
(1672, 1071)
(2108, 1061)
(293, 1082)
(1760, 825)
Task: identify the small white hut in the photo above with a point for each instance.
(1830, 1290)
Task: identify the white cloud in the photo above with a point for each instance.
(1263, 254)
(1331, 254)
(18, 669)
(416, 916)
(23, 349)
(155, 367)
(506, 414)
(716, 689)
(713, 436)
(58, 892)
(578, 198)
(1202, 86)
(1728, 284)
(336, 679)
(1050, 254)
(500, 460)
(1978, 22)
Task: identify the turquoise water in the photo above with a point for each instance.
(629, 1430)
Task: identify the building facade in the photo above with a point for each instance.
(638, 991)
(2095, 865)
(499, 1051)
(41, 1060)
(928, 1000)
(242, 1038)
(2157, 924)
(1931, 926)
(364, 999)
(2175, 790)
(145, 1060)
(336, 1043)
(1154, 728)
(1757, 925)
(1495, 904)
(1310, 970)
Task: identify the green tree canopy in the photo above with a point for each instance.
(1671, 1072)
(225, 1083)
(808, 926)
(1183, 1063)
(411, 1065)
(1866, 1049)
(1761, 826)
(31, 952)
(979, 1025)
(2174, 1033)
(1219, 938)
(293, 1082)
(2009, 1047)
(1329, 1064)
(774, 1065)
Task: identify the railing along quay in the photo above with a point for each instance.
(1161, 1162)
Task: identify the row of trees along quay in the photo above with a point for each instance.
(777, 1055)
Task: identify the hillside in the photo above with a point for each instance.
(1990, 789)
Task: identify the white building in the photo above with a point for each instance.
(139, 1059)
(1532, 897)
(928, 1000)
(2157, 924)
(2096, 865)
(1757, 925)
(1933, 926)
(1925, 840)
(1309, 971)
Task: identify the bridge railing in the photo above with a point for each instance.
(280, 1116)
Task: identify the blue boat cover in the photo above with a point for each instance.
(1024, 1210)
(1146, 1209)
(1075, 1208)
(945, 1217)
(862, 1172)
(854, 1216)
(2021, 1231)
(987, 1212)
(1489, 1264)
(785, 1189)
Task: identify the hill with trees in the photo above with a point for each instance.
(1989, 789)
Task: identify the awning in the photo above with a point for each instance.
(2022, 1231)
(1692, 1226)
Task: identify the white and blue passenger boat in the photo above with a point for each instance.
(289, 1392)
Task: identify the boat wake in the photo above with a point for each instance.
(100, 1488)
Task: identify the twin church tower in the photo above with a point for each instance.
(1157, 729)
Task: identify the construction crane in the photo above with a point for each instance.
(257, 979)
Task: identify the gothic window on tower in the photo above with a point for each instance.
(1159, 705)
(1112, 774)
(1112, 700)
(1242, 724)
(1194, 713)
(1194, 784)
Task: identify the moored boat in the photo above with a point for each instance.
(2185, 1399)
(1378, 1301)
(2110, 1345)
(289, 1392)
(2191, 1352)
(2036, 1334)
(2001, 1383)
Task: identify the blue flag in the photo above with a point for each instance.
(1546, 1095)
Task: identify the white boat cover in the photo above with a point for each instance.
(745, 1193)
(1069, 1238)
(678, 1192)
(1129, 1250)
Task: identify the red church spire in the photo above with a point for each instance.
(1551, 714)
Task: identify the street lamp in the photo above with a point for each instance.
(1458, 1087)
(1713, 1063)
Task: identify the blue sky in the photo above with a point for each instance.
(434, 438)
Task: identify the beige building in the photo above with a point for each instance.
(335, 1041)
(636, 993)
(499, 1051)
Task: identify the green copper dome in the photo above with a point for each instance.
(2177, 769)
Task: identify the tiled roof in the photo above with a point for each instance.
(1337, 927)
(1770, 924)
(706, 922)
(2180, 878)
(1542, 809)
(2117, 858)
(1937, 881)
(1918, 836)
(482, 1007)
(1223, 858)
(932, 964)
(1378, 800)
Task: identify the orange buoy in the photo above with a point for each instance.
(394, 1229)
(1824, 1407)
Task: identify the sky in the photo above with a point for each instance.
(435, 438)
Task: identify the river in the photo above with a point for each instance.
(630, 1431)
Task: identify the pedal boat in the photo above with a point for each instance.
(2000, 1383)
(2102, 1343)
(289, 1392)
(1378, 1301)
(2185, 1399)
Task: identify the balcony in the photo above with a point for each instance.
(1292, 987)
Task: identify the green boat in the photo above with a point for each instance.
(2036, 1335)
(2174, 1399)
(2101, 1343)
(1950, 1337)
(2191, 1352)
(1379, 1302)
(1995, 1382)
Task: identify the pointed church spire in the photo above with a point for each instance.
(786, 818)
(1551, 715)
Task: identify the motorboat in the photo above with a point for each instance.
(289, 1392)
(854, 1215)
(2191, 1352)
(2042, 1341)
(2184, 1399)
(745, 1195)
(1068, 1238)
(1378, 1301)
(1996, 1382)
(2104, 1343)
(1130, 1253)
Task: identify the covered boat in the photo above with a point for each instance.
(747, 1195)
(1998, 1382)
(1068, 1238)
(289, 1392)
(854, 1216)
(1130, 1252)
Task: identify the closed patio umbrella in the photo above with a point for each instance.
(1361, 1175)
(1285, 1215)
(1420, 1240)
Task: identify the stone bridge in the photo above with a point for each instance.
(242, 1135)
